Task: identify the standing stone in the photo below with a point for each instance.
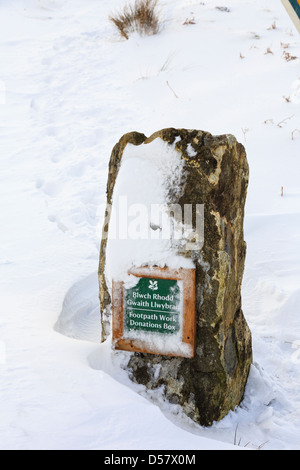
(212, 383)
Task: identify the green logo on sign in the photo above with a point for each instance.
(154, 306)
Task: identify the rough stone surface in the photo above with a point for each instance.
(213, 382)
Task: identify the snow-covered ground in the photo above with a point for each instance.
(69, 88)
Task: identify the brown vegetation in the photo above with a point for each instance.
(141, 17)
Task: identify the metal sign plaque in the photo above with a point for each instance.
(293, 9)
(155, 312)
(154, 305)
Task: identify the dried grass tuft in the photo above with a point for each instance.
(140, 17)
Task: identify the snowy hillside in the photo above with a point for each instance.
(70, 87)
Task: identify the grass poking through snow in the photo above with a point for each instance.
(140, 17)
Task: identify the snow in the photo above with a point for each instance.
(146, 174)
(69, 88)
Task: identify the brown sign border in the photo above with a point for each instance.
(188, 276)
